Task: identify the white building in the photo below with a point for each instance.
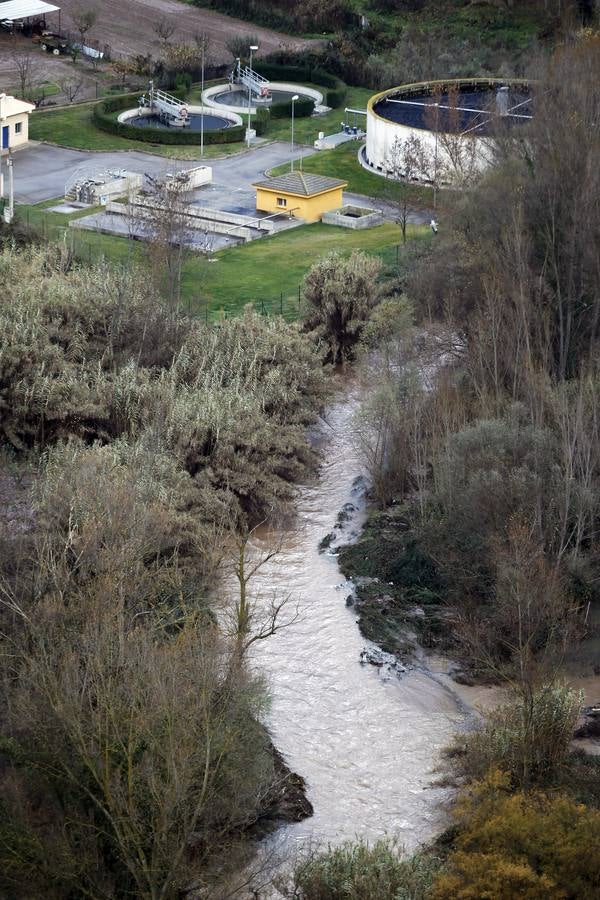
(14, 122)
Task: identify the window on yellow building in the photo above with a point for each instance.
(281, 201)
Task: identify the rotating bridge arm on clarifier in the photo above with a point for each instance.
(165, 103)
(251, 80)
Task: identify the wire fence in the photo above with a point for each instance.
(93, 246)
(287, 304)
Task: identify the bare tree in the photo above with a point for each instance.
(164, 216)
(255, 619)
(70, 87)
(84, 18)
(164, 29)
(27, 68)
(408, 160)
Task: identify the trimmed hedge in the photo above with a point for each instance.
(298, 74)
(103, 116)
(336, 96)
(303, 108)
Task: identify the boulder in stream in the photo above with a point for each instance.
(588, 725)
(379, 658)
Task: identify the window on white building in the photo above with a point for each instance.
(18, 127)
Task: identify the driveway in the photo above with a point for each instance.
(42, 170)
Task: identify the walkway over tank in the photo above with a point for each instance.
(159, 101)
(255, 83)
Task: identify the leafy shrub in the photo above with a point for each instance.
(339, 296)
(363, 872)
(528, 739)
(288, 16)
(94, 355)
(489, 474)
(525, 845)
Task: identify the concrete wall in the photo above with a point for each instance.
(308, 208)
(210, 92)
(382, 134)
(192, 178)
(231, 115)
(15, 139)
(201, 218)
(339, 217)
(476, 155)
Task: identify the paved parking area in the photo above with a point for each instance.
(42, 170)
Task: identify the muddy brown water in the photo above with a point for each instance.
(365, 740)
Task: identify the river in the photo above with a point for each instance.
(366, 742)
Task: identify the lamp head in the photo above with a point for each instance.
(253, 47)
(295, 97)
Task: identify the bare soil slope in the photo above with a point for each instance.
(128, 27)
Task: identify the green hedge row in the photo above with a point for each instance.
(336, 94)
(104, 118)
(303, 108)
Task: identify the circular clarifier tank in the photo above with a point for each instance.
(234, 97)
(457, 110)
(197, 119)
(240, 98)
(194, 122)
(452, 120)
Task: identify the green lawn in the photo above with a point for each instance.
(267, 272)
(343, 163)
(306, 131)
(38, 91)
(72, 126)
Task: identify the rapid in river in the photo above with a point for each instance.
(366, 740)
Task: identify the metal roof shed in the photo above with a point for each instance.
(15, 10)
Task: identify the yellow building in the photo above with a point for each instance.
(300, 194)
(14, 122)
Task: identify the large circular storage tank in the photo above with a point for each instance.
(451, 119)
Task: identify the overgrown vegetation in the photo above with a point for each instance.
(132, 750)
(484, 434)
(479, 433)
(363, 872)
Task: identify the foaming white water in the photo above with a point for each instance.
(366, 745)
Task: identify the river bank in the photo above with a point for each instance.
(365, 741)
(401, 607)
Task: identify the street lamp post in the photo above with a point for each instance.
(202, 102)
(294, 98)
(11, 189)
(435, 162)
(252, 49)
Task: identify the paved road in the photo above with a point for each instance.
(390, 211)
(41, 170)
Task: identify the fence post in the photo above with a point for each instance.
(281, 303)
(262, 306)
